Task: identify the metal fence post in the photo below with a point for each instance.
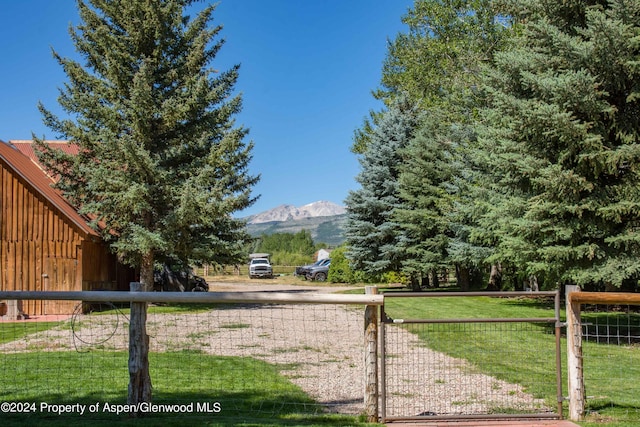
(558, 332)
(574, 357)
(139, 377)
(371, 358)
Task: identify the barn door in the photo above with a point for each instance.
(60, 275)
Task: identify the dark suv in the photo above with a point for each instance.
(319, 273)
(304, 269)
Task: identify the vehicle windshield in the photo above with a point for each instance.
(260, 261)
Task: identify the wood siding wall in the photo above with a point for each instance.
(101, 271)
(39, 249)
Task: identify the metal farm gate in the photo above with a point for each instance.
(469, 368)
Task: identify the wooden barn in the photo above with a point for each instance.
(45, 245)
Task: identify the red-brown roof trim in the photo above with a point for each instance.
(30, 170)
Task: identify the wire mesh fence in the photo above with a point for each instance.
(611, 362)
(279, 359)
(231, 361)
(453, 370)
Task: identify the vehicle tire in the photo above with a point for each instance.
(320, 277)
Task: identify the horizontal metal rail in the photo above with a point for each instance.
(472, 320)
(477, 417)
(196, 297)
(469, 294)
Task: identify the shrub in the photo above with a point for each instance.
(340, 272)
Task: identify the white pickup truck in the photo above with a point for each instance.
(260, 266)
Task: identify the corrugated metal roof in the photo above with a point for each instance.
(26, 166)
(26, 148)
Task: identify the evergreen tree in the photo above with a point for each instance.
(161, 164)
(371, 232)
(425, 189)
(562, 142)
(438, 64)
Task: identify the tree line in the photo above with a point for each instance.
(507, 149)
(287, 248)
(508, 143)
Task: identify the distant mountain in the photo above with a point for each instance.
(325, 229)
(324, 220)
(290, 212)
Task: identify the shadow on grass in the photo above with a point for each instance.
(543, 303)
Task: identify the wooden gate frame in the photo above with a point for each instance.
(575, 372)
(384, 319)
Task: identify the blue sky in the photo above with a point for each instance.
(307, 71)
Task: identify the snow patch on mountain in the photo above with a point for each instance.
(290, 212)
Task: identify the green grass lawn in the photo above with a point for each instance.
(12, 331)
(210, 382)
(612, 372)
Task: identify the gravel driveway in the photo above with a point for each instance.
(438, 384)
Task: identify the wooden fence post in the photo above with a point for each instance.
(139, 377)
(574, 357)
(371, 358)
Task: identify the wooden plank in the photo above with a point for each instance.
(45, 224)
(624, 298)
(20, 275)
(371, 358)
(14, 218)
(29, 218)
(32, 266)
(37, 219)
(139, 377)
(79, 267)
(50, 233)
(4, 262)
(4, 204)
(18, 266)
(18, 208)
(202, 297)
(11, 265)
(64, 230)
(6, 197)
(574, 356)
(38, 264)
(57, 234)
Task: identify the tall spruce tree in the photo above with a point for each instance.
(371, 231)
(563, 142)
(424, 187)
(438, 64)
(161, 165)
